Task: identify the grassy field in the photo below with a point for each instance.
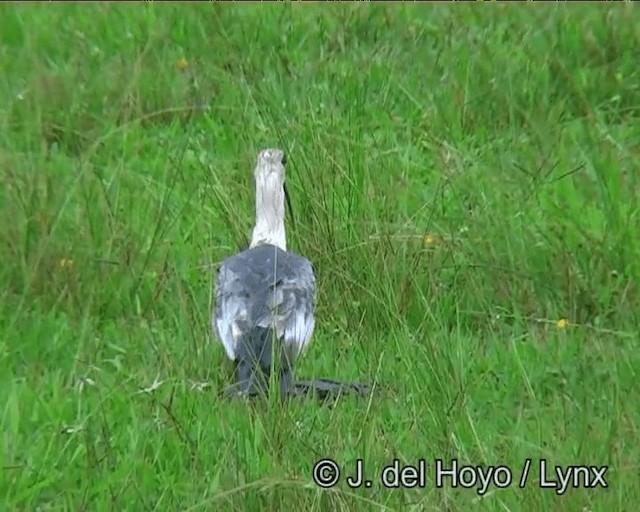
(465, 180)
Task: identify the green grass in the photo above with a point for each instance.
(508, 134)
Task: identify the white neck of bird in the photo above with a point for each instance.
(269, 228)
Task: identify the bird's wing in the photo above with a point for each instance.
(230, 309)
(294, 304)
(248, 293)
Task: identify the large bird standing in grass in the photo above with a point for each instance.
(265, 295)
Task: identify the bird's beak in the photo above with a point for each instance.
(288, 200)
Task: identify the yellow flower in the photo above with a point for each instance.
(182, 64)
(563, 323)
(65, 263)
(430, 239)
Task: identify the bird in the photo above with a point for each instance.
(264, 313)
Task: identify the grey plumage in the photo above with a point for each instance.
(264, 294)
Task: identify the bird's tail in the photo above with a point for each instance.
(255, 358)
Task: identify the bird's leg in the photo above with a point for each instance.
(256, 356)
(285, 382)
(251, 378)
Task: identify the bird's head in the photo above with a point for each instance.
(271, 163)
